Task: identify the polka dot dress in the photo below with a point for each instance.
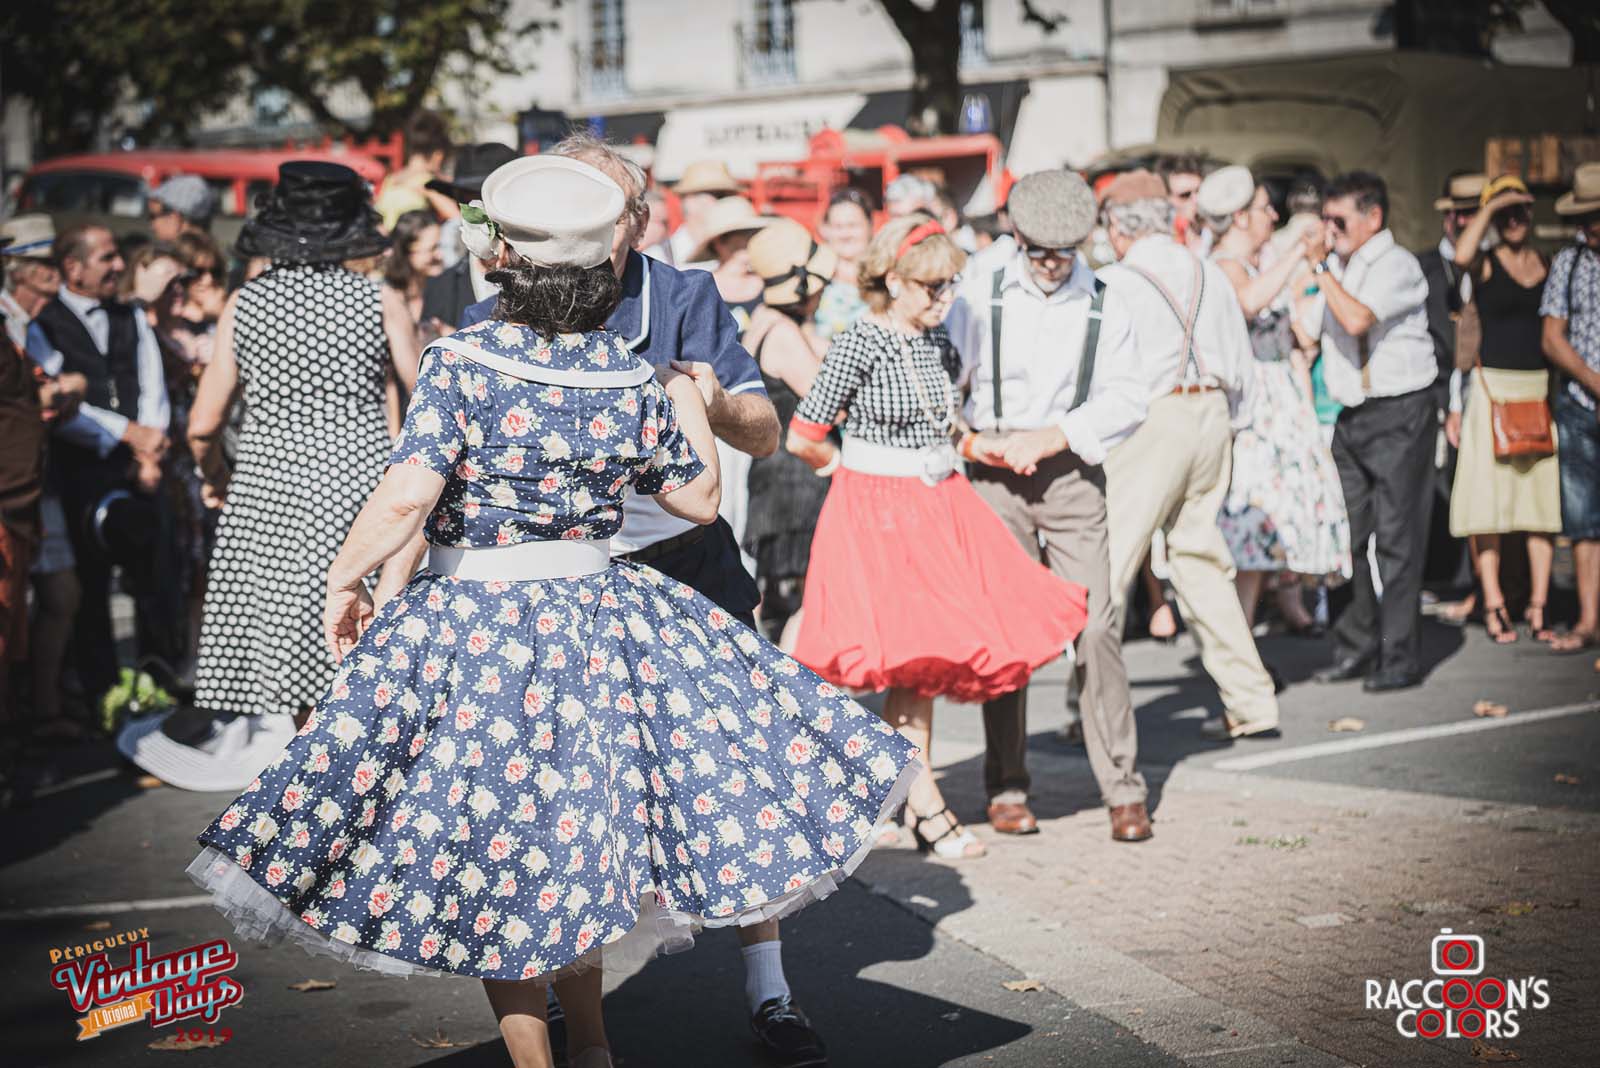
(312, 356)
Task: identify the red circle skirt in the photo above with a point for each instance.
(924, 588)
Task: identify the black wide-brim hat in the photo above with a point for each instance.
(318, 213)
(474, 163)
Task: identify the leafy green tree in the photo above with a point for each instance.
(172, 61)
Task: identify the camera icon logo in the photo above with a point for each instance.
(1455, 954)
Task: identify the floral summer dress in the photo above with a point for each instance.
(1285, 507)
(508, 777)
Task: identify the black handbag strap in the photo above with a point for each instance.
(996, 306)
(1091, 344)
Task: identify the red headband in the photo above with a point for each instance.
(918, 235)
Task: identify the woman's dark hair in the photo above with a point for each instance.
(557, 300)
(397, 269)
(850, 195)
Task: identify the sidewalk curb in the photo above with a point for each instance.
(1196, 1029)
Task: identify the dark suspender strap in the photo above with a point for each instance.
(996, 306)
(1091, 343)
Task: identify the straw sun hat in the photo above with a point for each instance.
(730, 215)
(792, 264)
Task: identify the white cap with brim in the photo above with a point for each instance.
(1226, 190)
(554, 211)
(227, 757)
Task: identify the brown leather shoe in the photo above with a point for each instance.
(1130, 823)
(1012, 818)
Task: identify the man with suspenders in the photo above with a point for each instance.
(1173, 473)
(1054, 382)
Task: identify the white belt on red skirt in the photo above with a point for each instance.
(523, 562)
(932, 464)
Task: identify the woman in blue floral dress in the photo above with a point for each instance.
(533, 760)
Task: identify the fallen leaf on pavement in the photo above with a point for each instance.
(1347, 723)
(97, 925)
(1519, 908)
(1485, 1052)
(313, 984)
(1490, 709)
(177, 1042)
(437, 1040)
(148, 782)
(1567, 780)
(1019, 986)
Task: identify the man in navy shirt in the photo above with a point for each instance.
(677, 318)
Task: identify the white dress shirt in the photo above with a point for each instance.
(1221, 339)
(1398, 349)
(1041, 343)
(99, 428)
(16, 319)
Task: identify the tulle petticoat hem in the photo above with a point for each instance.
(257, 915)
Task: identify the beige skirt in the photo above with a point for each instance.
(1493, 496)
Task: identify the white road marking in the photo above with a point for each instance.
(105, 908)
(1388, 738)
(74, 783)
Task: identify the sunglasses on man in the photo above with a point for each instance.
(1039, 252)
(1335, 221)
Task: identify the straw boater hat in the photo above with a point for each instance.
(1584, 197)
(791, 263)
(730, 215)
(28, 237)
(554, 210)
(1461, 193)
(317, 213)
(707, 176)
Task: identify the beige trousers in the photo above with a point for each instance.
(1063, 504)
(1172, 476)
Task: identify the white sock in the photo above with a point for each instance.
(763, 973)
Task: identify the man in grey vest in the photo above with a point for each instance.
(1054, 383)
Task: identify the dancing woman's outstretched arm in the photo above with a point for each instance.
(390, 519)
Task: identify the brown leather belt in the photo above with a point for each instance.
(662, 548)
(1185, 390)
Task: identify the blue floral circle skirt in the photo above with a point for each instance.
(509, 779)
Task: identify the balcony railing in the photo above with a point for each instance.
(763, 61)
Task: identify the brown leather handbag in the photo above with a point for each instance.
(1520, 428)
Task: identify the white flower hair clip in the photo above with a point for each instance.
(479, 232)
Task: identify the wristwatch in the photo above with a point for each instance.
(1320, 267)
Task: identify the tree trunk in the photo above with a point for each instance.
(934, 37)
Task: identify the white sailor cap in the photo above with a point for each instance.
(553, 210)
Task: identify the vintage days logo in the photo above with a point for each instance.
(1460, 1001)
(171, 987)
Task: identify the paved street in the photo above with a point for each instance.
(1283, 875)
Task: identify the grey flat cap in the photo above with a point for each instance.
(1052, 209)
(189, 196)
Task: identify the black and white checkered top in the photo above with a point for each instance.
(873, 375)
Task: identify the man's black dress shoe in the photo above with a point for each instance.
(787, 1034)
(1351, 667)
(1392, 679)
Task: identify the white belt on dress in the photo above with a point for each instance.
(526, 561)
(932, 464)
